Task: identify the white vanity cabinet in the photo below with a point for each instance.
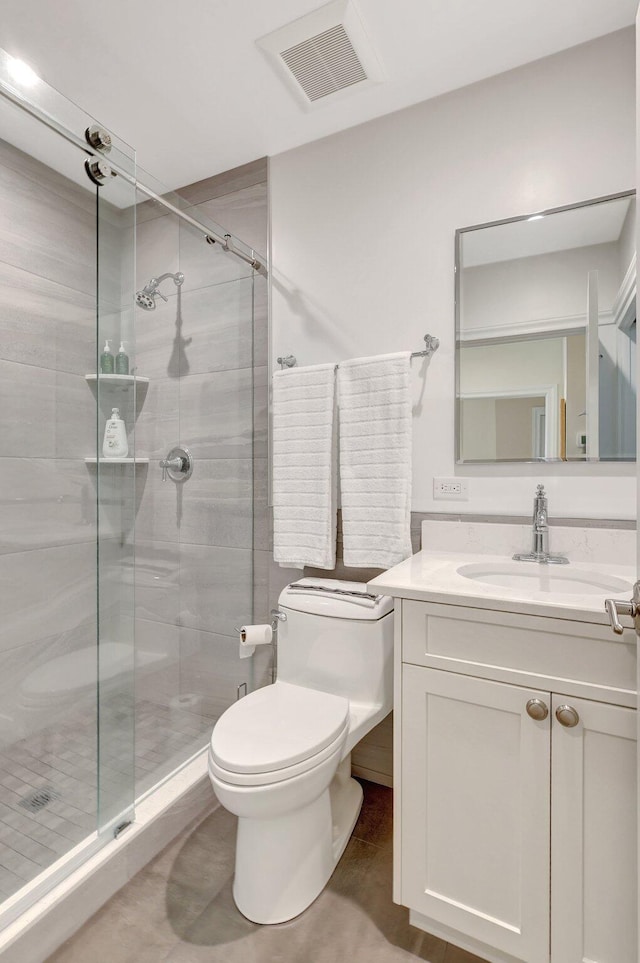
(516, 830)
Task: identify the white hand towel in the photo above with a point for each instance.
(304, 467)
(375, 459)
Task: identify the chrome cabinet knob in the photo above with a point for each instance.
(567, 716)
(537, 709)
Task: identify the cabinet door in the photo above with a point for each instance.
(475, 810)
(593, 818)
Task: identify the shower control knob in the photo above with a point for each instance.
(98, 170)
(178, 465)
(537, 709)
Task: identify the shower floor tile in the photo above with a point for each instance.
(48, 780)
(179, 909)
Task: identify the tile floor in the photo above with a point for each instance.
(179, 909)
(48, 780)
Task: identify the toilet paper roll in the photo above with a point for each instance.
(252, 635)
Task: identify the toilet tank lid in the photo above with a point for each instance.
(335, 599)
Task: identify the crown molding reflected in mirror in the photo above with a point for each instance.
(546, 336)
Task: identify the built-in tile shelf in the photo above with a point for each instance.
(117, 379)
(117, 461)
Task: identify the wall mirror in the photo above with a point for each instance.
(546, 336)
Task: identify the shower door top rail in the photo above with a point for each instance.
(44, 102)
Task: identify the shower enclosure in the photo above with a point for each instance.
(121, 582)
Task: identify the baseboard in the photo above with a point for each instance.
(160, 817)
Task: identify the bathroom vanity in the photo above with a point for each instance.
(515, 757)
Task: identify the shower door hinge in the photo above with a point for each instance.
(120, 828)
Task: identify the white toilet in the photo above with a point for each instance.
(280, 759)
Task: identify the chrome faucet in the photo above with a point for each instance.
(540, 543)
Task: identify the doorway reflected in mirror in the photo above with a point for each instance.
(546, 336)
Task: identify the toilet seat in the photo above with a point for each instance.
(277, 732)
(255, 780)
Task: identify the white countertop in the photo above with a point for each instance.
(433, 577)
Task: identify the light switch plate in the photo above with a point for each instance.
(451, 489)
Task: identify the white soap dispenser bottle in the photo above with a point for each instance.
(115, 443)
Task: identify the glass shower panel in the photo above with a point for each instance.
(194, 538)
(62, 253)
(48, 714)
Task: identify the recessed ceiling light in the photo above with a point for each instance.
(22, 72)
(535, 217)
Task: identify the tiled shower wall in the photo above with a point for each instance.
(47, 418)
(204, 352)
(48, 572)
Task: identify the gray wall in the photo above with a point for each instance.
(195, 553)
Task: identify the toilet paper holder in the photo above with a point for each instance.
(276, 616)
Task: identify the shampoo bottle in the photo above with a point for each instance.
(122, 361)
(115, 443)
(106, 359)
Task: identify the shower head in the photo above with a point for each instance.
(146, 298)
(145, 301)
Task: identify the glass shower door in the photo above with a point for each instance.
(66, 730)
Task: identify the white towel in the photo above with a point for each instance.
(304, 467)
(375, 459)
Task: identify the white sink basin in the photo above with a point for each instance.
(533, 577)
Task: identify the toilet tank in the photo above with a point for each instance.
(337, 638)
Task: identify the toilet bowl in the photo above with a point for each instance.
(280, 759)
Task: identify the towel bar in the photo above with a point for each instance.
(431, 345)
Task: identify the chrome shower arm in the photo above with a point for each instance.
(177, 278)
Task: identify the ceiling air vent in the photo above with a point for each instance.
(325, 63)
(324, 54)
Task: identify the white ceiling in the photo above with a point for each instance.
(185, 84)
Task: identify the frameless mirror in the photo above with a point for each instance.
(546, 336)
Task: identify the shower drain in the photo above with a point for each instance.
(38, 799)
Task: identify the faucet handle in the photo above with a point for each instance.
(540, 490)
